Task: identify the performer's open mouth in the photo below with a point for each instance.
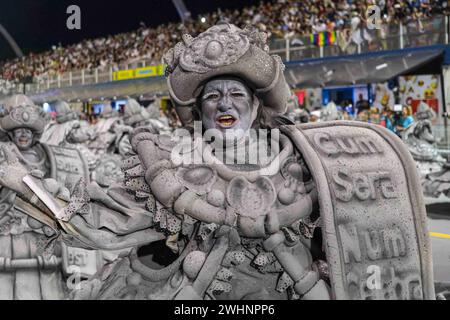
(23, 141)
(226, 121)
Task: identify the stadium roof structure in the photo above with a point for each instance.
(362, 69)
(119, 89)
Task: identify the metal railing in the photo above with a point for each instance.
(80, 77)
(388, 37)
(433, 31)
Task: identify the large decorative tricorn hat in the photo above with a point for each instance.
(134, 113)
(64, 113)
(20, 112)
(226, 50)
(17, 100)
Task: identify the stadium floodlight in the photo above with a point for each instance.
(11, 41)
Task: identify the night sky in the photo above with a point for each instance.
(36, 25)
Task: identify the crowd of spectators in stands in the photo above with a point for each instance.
(290, 19)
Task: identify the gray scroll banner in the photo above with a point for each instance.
(371, 204)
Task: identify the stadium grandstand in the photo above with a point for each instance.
(344, 23)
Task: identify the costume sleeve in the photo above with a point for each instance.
(118, 218)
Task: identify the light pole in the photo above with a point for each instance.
(13, 45)
(11, 41)
(182, 10)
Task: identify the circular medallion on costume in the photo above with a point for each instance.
(292, 169)
(213, 50)
(286, 196)
(134, 279)
(198, 178)
(219, 46)
(251, 199)
(216, 198)
(33, 223)
(49, 232)
(193, 263)
(198, 175)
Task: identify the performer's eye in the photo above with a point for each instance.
(211, 96)
(238, 94)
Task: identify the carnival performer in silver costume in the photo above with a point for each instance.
(66, 128)
(294, 112)
(305, 221)
(433, 168)
(420, 139)
(31, 262)
(137, 116)
(66, 131)
(156, 121)
(106, 131)
(330, 112)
